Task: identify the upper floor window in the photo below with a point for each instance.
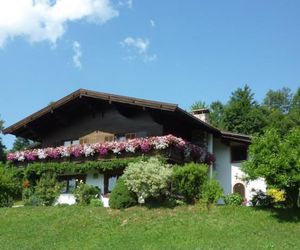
(239, 153)
(71, 142)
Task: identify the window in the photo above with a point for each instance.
(110, 182)
(238, 153)
(69, 182)
(71, 142)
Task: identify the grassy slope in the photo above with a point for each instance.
(141, 228)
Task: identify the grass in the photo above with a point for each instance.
(185, 227)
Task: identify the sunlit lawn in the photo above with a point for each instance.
(185, 227)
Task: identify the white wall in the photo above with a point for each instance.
(222, 165)
(97, 182)
(251, 186)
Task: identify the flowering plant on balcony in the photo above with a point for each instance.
(138, 145)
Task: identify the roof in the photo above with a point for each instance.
(92, 94)
(236, 137)
(112, 98)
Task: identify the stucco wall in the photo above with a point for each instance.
(250, 187)
(222, 165)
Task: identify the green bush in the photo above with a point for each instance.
(95, 202)
(187, 180)
(9, 187)
(234, 199)
(47, 190)
(150, 178)
(84, 193)
(121, 197)
(211, 192)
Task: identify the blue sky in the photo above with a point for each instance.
(173, 51)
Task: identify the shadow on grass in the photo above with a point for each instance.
(156, 204)
(283, 214)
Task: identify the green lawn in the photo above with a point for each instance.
(184, 227)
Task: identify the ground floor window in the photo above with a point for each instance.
(70, 182)
(110, 182)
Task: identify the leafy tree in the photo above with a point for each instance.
(2, 147)
(216, 115)
(242, 113)
(276, 158)
(198, 105)
(278, 100)
(20, 144)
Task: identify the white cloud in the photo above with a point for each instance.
(77, 55)
(140, 47)
(152, 23)
(46, 20)
(127, 3)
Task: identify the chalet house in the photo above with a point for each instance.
(99, 125)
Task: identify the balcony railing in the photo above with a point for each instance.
(168, 146)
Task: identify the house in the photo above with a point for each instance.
(97, 126)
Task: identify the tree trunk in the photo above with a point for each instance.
(293, 196)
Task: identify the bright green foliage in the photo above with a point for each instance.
(277, 159)
(211, 192)
(84, 193)
(187, 180)
(278, 100)
(148, 178)
(47, 189)
(96, 202)
(121, 197)
(9, 187)
(234, 199)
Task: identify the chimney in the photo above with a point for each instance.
(202, 114)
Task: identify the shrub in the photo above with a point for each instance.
(84, 193)
(96, 202)
(9, 187)
(47, 189)
(187, 180)
(276, 195)
(211, 192)
(121, 197)
(273, 197)
(261, 199)
(149, 178)
(234, 199)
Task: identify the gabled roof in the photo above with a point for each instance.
(111, 98)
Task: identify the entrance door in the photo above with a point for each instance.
(240, 189)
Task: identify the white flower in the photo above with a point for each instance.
(20, 156)
(41, 154)
(88, 150)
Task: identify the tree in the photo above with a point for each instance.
(282, 109)
(276, 158)
(198, 105)
(242, 114)
(20, 144)
(278, 100)
(2, 147)
(216, 115)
